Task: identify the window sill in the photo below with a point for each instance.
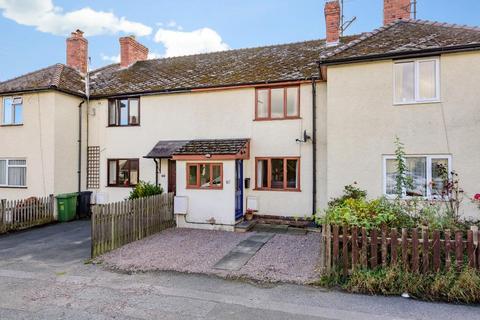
(128, 126)
(13, 187)
(277, 119)
(121, 186)
(284, 190)
(416, 103)
(12, 125)
(199, 188)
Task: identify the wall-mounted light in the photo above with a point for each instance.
(305, 138)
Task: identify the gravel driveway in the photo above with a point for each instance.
(284, 258)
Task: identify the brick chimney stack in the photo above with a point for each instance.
(396, 9)
(332, 20)
(77, 51)
(131, 51)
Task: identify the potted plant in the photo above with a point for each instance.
(249, 215)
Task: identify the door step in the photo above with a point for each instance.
(245, 226)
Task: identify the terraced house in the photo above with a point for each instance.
(278, 129)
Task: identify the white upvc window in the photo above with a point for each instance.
(416, 81)
(13, 172)
(12, 111)
(425, 173)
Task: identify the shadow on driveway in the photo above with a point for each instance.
(58, 245)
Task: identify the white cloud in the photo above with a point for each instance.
(114, 59)
(179, 43)
(46, 17)
(153, 55)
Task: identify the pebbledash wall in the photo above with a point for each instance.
(219, 114)
(47, 140)
(363, 121)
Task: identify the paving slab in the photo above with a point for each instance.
(242, 252)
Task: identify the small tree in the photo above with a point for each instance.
(402, 180)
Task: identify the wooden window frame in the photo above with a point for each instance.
(269, 174)
(285, 101)
(117, 160)
(197, 184)
(116, 101)
(8, 166)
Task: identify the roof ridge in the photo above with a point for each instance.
(366, 36)
(57, 75)
(29, 73)
(443, 24)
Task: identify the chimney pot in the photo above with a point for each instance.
(332, 20)
(77, 51)
(396, 10)
(131, 51)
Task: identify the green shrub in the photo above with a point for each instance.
(451, 286)
(145, 189)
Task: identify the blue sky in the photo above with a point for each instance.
(33, 31)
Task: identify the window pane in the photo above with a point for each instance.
(391, 177)
(123, 111)
(3, 172)
(404, 82)
(7, 111)
(134, 111)
(192, 175)
(204, 175)
(112, 113)
(262, 174)
(427, 79)
(123, 174)
(277, 174)
(439, 175)
(292, 102)
(216, 175)
(292, 174)
(18, 118)
(417, 172)
(262, 104)
(133, 172)
(277, 103)
(17, 162)
(17, 176)
(112, 170)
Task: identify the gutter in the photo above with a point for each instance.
(43, 89)
(399, 55)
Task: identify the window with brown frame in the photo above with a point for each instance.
(124, 112)
(204, 175)
(277, 103)
(278, 173)
(123, 172)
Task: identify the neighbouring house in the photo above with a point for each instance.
(278, 129)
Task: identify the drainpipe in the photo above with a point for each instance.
(314, 145)
(156, 171)
(80, 146)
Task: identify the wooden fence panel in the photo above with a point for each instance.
(373, 249)
(116, 224)
(26, 213)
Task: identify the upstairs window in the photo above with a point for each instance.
(124, 112)
(12, 111)
(278, 174)
(122, 172)
(13, 173)
(417, 81)
(426, 174)
(277, 103)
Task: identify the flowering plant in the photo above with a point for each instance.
(476, 199)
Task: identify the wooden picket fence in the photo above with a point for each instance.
(418, 250)
(119, 223)
(26, 213)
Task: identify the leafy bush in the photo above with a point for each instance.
(145, 189)
(448, 286)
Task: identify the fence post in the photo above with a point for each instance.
(51, 207)
(3, 224)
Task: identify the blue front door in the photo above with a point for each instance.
(238, 189)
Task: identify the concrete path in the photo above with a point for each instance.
(244, 251)
(42, 276)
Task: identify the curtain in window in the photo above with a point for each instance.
(427, 79)
(3, 172)
(417, 172)
(439, 174)
(404, 82)
(17, 176)
(391, 176)
(262, 173)
(277, 103)
(7, 111)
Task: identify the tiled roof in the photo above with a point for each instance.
(212, 147)
(58, 76)
(286, 62)
(166, 148)
(406, 37)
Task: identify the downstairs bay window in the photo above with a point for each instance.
(13, 173)
(426, 175)
(123, 172)
(278, 174)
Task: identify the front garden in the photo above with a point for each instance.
(417, 246)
